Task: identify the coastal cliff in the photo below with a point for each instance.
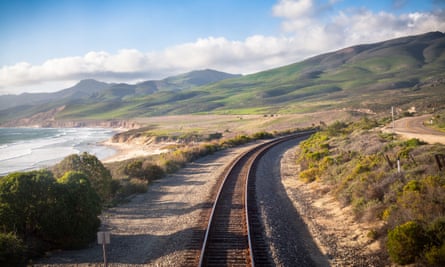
(48, 119)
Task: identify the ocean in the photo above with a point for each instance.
(23, 149)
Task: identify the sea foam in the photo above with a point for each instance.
(27, 149)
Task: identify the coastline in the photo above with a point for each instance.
(126, 151)
(26, 148)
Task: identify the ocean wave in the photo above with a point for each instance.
(47, 150)
(8, 154)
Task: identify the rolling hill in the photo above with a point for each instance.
(403, 72)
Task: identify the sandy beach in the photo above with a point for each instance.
(125, 151)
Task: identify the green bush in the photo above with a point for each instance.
(262, 135)
(133, 168)
(131, 187)
(75, 220)
(46, 213)
(435, 256)
(99, 176)
(24, 198)
(406, 242)
(310, 174)
(337, 128)
(12, 250)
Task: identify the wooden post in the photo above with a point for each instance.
(104, 250)
(388, 160)
(438, 161)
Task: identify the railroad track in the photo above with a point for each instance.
(233, 235)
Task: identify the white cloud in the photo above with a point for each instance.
(315, 22)
(294, 9)
(309, 27)
(253, 54)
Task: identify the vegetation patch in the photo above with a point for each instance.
(383, 179)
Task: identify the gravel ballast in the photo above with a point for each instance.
(154, 228)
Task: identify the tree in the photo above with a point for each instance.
(99, 176)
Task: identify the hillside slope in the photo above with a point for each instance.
(402, 72)
(90, 92)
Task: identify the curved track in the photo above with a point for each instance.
(234, 235)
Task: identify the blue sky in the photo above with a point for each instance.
(51, 44)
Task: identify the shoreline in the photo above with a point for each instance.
(126, 151)
(39, 148)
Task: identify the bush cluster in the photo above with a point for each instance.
(154, 168)
(360, 167)
(39, 212)
(132, 172)
(99, 176)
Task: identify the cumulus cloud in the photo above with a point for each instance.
(315, 22)
(309, 27)
(253, 54)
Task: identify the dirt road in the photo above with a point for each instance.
(415, 127)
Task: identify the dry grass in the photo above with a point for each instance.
(232, 125)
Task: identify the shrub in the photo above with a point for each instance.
(77, 209)
(12, 250)
(406, 242)
(435, 256)
(435, 253)
(24, 198)
(133, 168)
(214, 136)
(262, 135)
(310, 174)
(367, 124)
(236, 141)
(152, 171)
(131, 187)
(46, 213)
(337, 128)
(99, 176)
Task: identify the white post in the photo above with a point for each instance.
(103, 238)
(398, 165)
(392, 115)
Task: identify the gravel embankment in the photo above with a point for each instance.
(153, 229)
(291, 242)
(304, 224)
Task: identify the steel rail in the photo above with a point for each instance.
(255, 249)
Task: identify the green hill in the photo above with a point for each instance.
(402, 72)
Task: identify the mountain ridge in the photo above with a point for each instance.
(92, 87)
(407, 71)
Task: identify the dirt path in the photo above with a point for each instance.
(153, 228)
(414, 127)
